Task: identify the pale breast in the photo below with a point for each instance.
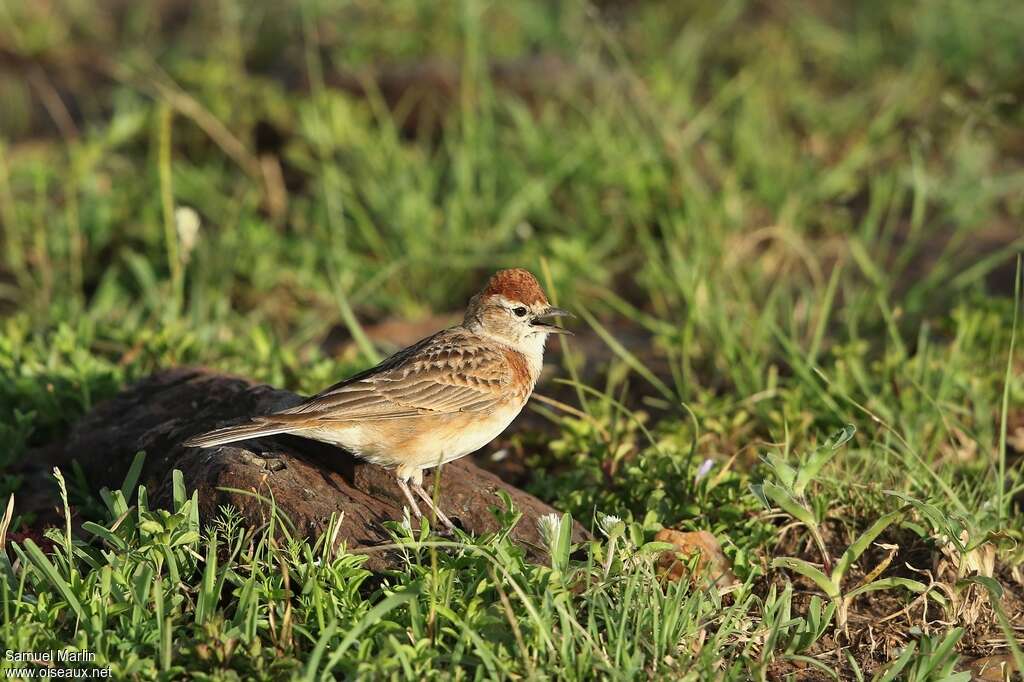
(419, 442)
(461, 435)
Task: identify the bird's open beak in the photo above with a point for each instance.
(552, 328)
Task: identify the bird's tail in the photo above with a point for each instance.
(231, 434)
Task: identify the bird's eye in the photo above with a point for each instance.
(520, 311)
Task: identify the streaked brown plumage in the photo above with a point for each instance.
(433, 402)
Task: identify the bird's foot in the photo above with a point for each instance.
(449, 527)
(404, 486)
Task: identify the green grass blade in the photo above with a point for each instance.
(805, 569)
(131, 479)
(861, 544)
(52, 575)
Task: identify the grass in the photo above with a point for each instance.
(774, 221)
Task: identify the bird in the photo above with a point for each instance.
(438, 400)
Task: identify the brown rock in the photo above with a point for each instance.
(712, 562)
(991, 668)
(308, 481)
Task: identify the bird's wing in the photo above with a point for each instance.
(449, 372)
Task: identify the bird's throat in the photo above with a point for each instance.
(532, 349)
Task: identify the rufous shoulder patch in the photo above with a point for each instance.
(521, 380)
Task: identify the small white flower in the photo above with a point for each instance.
(609, 523)
(548, 526)
(705, 467)
(186, 222)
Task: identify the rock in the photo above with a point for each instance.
(712, 562)
(308, 481)
(993, 668)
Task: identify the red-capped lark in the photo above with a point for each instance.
(439, 399)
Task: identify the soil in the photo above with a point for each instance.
(882, 623)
